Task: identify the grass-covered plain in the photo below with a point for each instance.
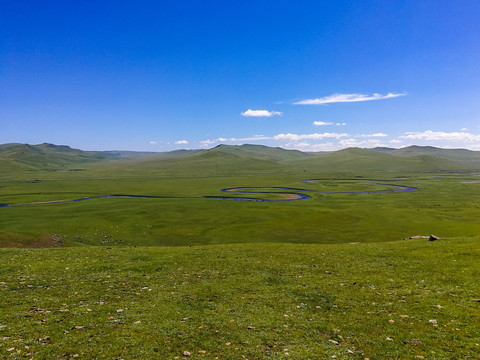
(329, 277)
(410, 299)
(446, 205)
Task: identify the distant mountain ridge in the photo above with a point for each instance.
(45, 156)
(237, 159)
(461, 155)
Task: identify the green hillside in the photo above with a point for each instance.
(258, 159)
(461, 155)
(358, 160)
(262, 152)
(45, 157)
(220, 160)
(228, 160)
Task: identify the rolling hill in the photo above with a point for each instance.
(46, 157)
(460, 155)
(356, 159)
(232, 160)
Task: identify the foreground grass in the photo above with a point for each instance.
(399, 300)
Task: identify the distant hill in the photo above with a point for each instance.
(121, 154)
(356, 159)
(262, 152)
(256, 159)
(233, 160)
(460, 155)
(46, 157)
(220, 160)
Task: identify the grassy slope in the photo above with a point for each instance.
(378, 301)
(221, 160)
(44, 157)
(250, 159)
(460, 155)
(362, 160)
(26, 161)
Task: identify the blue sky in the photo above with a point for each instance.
(307, 75)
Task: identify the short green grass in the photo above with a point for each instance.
(397, 300)
(201, 278)
(447, 206)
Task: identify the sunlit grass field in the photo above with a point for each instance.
(445, 205)
(333, 276)
(408, 299)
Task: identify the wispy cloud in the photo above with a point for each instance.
(279, 137)
(289, 137)
(441, 136)
(328, 141)
(372, 135)
(181, 142)
(337, 98)
(345, 143)
(323, 123)
(315, 136)
(212, 141)
(234, 140)
(332, 146)
(304, 146)
(153, 142)
(260, 113)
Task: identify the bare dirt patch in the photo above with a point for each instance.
(31, 242)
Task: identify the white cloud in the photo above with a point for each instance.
(153, 142)
(336, 98)
(441, 136)
(323, 123)
(214, 141)
(315, 136)
(297, 139)
(364, 143)
(303, 146)
(279, 137)
(332, 146)
(372, 135)
(260, 113)
(329, 141)
(181, 142)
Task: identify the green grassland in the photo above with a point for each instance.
(447, 206)
(398, 300)
(333, 276)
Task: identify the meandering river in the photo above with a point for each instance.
(286, 193)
